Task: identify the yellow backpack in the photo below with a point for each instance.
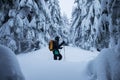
(51, 45)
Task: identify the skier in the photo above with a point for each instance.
(56, 47)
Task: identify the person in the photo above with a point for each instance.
(57, 46)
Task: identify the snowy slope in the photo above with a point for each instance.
(39, 65)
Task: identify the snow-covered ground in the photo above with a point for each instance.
(77, 64)
(39, 65)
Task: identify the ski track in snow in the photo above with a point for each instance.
(39, 65)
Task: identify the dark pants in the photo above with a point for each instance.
(57, 55)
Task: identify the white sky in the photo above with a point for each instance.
(66, 7)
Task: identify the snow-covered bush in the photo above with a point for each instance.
(106, 65)
(9, 66)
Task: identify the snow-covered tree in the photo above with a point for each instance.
(95, 23)
(85, 18)
(30, 24)
(108, 29)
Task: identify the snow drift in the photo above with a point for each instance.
(106, 65)
(9, 67)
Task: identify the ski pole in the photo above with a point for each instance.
(64, 53)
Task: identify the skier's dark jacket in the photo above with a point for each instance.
(57, 45)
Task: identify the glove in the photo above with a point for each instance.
(63, 42)
(61, 47)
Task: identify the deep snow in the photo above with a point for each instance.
(9, 66)
(77, 64)
(106, 66)
(39, 65)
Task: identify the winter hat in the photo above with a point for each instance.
(57, 38)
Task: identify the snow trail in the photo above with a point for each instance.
(39, 65)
